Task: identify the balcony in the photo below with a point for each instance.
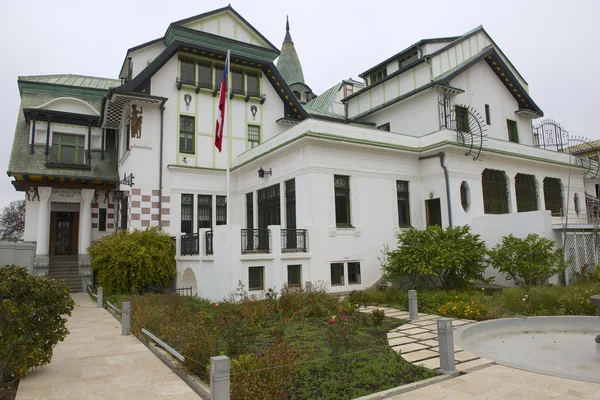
(256, 241)
(294, 241)
(190, 245)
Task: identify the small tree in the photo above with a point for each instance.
(527, 261)
(451, 257)
(12, 221)
(128, 262)
(31, 320)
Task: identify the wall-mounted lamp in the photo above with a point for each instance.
(262, 172)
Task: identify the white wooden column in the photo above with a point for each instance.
(85, 221)
(42, 260)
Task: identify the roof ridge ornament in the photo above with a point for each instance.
(288, 37)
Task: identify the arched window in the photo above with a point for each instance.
(553, 195)
(298, 95)
(495, 192)
(526, 193)
(465, 196)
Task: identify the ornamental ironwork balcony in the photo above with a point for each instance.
(256, 241)
(294, 241)
(190, 245)
(209, 242)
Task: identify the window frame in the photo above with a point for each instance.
(299, 275)
(357, 273)
(514, 136)
(253, 143)
(378, 76)
(403, 221)
(256, 75)
(190, 212)
(221, 210)
(461, 116)
(187, 61)
(203, 83)
(261, 270)
(187, 135)
(342, 191)
(237, 73)
(102, 220)
(57, 148)
(340, 268)
(488, 119)
(490, 184)
(204, 205)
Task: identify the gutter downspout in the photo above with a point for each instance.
(160, 165)
(441, 155)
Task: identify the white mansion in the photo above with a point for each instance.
(440, 133)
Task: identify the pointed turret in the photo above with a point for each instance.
(288, 63)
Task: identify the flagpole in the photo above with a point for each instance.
(228, 137)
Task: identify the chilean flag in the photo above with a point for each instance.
(222, 100)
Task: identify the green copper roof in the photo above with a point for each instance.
(288, 62)
(324, 113)
(91, 82)
(324, 101)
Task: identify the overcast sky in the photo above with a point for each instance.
(554, 44)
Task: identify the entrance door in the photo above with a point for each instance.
(64, 233)
(433, 211)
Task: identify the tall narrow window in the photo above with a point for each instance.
(553, 195)
(204, 211)
(403, 203)
(249, 211)
(495, 192)
(187, 213)
(252, 84)
(221, 210)
(204, 74)
(218, 75)
(342, 200)
(294, 275)
(462, 119)
(353, 273)
(187, 75)
(526, 193)
(187, 132)
(256, 278)
(337, 274)
(237, 81)
(488, 119)
(102, 219)
(513, 134)
(68, 149)
(290, 204)
(124, 211)
(253, 136)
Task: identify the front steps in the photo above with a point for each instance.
(66, 268)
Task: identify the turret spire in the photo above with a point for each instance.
(288, 63)
(288, 37)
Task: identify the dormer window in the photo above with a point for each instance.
(408, 59)
(67, 149)
(297, 94)
(187, 72)
(378, 75)
(252, 84)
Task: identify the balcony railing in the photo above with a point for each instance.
(190, 245)
(294, 241)
(256, 241)
(209, 242)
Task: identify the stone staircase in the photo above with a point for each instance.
(66, 268)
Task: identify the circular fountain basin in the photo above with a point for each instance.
(558, 346)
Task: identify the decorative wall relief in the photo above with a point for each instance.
(188, 100)
(32, 193)
(136, 121)
(253, 110)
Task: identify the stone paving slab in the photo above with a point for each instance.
(401, 340)
(96, 362)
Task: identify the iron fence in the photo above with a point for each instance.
(256, 241)
(190, 245)
(183, 291)
(209, 242)
(294, 241)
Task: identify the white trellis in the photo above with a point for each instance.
(581, 251)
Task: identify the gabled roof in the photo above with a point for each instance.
(324, 100)
(82, 81)
(235, 13)
(408, 50)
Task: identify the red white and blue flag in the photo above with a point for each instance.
(221, 112)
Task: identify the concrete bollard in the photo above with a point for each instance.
(446, 343)
(219, 378)
(99, 297)
(413, 309)
(125, 318)
(308, 286)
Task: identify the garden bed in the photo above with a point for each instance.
(299, 345)
(8, 391)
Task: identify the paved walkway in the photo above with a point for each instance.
(417, 340)
(96, 362)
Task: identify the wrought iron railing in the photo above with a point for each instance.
(183, 291)
(190, 245)
(256, 241)
(209, 242)
(294, 241)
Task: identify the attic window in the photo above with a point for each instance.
(409, 59)
(237, 81)
(205, 74)
(252, 84)
(378, 75)
(188, 72)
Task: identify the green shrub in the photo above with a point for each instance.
(129, 262)
(377, 317)
(529, 261)
(32, 322)
(452, 257)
